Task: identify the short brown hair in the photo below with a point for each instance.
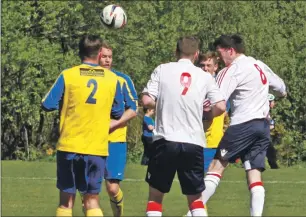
(107, 45)
(89, 46)
(208, 55)
(187, 46)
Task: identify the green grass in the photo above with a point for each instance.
(28, 189)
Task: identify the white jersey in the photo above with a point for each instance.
(179, 89)
(245, 83)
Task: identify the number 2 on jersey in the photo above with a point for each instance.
(262, 74)
(185, 81)
(91, 99)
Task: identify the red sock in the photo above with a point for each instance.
(197, 208)
(154, 209)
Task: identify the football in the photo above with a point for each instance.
(113, 16)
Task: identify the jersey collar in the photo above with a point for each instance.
(91, 64)
(185, 60)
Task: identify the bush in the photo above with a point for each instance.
(134, 132)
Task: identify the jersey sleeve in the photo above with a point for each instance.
(213, 93)
(129, 94)
(152, 88)
(275, 82)
(118, 105)
(52, 99)
(227, 81)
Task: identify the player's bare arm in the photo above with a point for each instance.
(122, 122)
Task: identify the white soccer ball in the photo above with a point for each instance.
(113, 16)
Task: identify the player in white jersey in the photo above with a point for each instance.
(245, 83)
(177, 91)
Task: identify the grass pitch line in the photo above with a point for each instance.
(142, 180)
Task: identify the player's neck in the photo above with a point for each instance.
(237, 56)
(182, 57)
(90, 61)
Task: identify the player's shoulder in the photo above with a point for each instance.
(122, 75)
(85, 69)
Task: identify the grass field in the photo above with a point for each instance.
(28, 189)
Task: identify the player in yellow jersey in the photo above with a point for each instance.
(116, 160)
(213, 129)
(88, 96)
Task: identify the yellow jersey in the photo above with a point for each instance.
(214, 132)
(130, 99)
(87, 96)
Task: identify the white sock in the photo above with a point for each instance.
(154, 209)
(257, 198)
(197, 209)
(212, 180)
(188, 213)
(153, 213)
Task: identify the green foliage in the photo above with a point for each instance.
(40, 39)
(135, 146)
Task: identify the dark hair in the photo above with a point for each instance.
(208, 55)
(187, 46)
(145, 110)
(89, 46)
(230, 41)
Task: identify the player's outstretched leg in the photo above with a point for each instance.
(212, 178)
(257, 192)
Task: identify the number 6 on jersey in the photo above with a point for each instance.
(185, 81)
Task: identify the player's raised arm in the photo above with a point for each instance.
(52, 99)
(227, 81)
(151, 91)
(118, 105)
(275, 82)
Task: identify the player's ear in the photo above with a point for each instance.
(100, 54)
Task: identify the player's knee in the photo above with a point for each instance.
(217, 166)
(155, 195)
(112, 187)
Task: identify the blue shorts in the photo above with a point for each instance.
(209, 154)
(79, 172)
(248, 141)
(116, 160)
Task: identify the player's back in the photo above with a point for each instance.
(249, 98)
(182, 90)
(85, 113)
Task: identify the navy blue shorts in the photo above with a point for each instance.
(79, 172)
(248, 141)
(170, 157)
(116, 161)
